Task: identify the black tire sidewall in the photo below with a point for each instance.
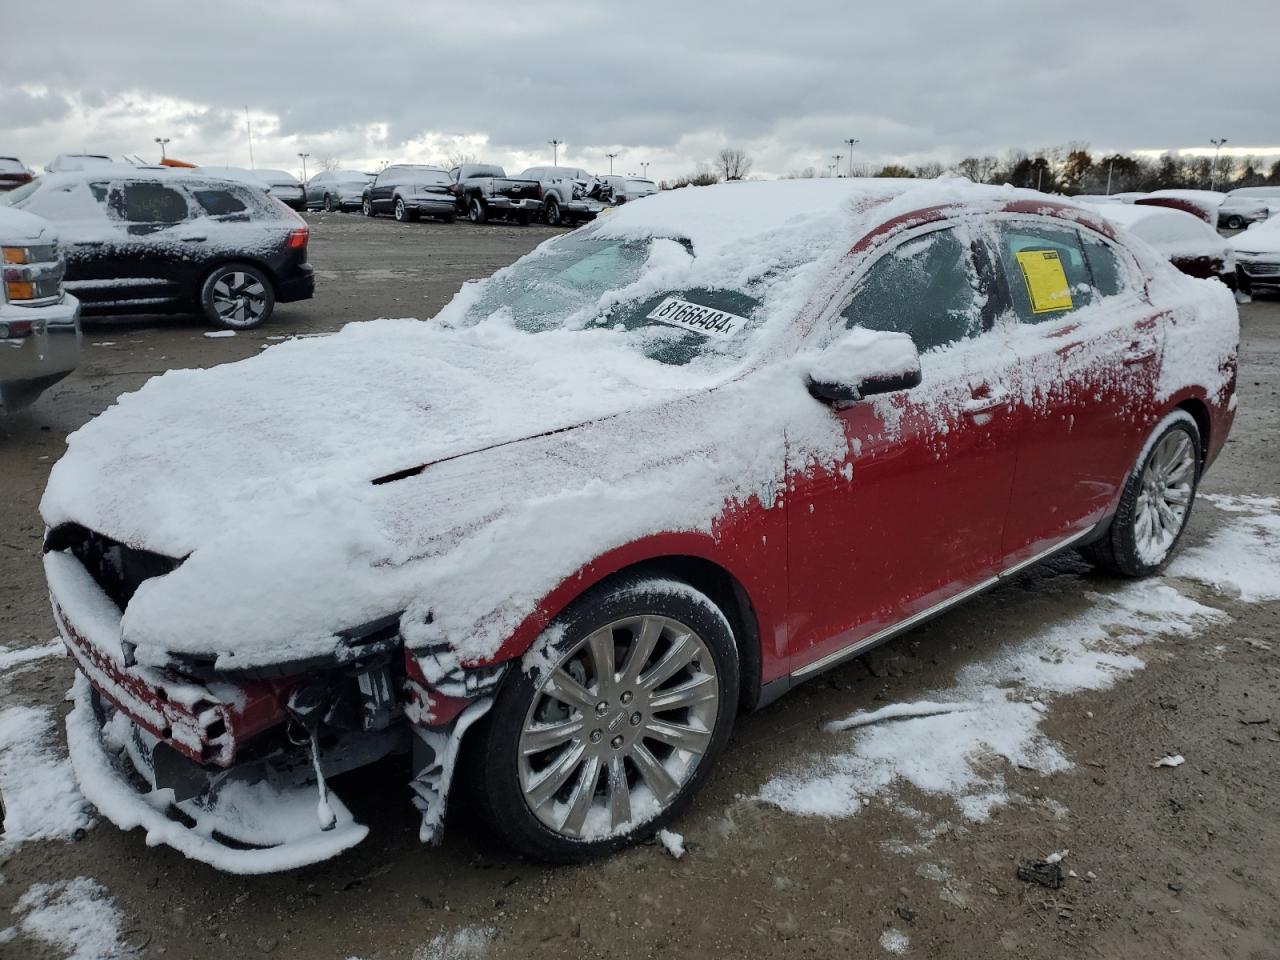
(206, 295)
(476, 211)
(496, 759)
(554, 217)
(1123, 532)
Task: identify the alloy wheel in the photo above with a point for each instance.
(1165, 496)
(400, 210)
(239, 298)
(328, 203)
(618, 727)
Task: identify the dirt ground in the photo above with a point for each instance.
(1185, 859)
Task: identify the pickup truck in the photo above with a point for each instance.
(483, 190)
(39, 322)
(570, 194)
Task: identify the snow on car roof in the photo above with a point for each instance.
(1174, 233)
(1261, 237)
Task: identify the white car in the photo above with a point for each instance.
(39, 321)
(1218, 209)
(70, 162)
(1267, 195)
(337, 189)
(1257, 253)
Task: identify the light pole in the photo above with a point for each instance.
(644, 166)
(304, 165)
(611, 156)
(555, 151)
(1213, 173)
(852, 142)
(162, 141)
(1110, 167)
(837, 158)
(1040, 164)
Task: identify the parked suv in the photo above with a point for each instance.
(39, 322)
(570, 194)
(408, 191)
(337, 190)
(161, 241)
(483, 190)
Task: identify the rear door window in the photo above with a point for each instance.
(1046, 273)
(926, 287)
(143, 202)
(222, 202)
(1105, 266)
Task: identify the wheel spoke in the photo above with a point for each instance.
(619, 793)
(569, 691)
(678, 735)
(582, 796)
(548, 736)
(646, 639)
(682, 652)
(600, 647)
(555, 776)
(701, 689)
(654, 773)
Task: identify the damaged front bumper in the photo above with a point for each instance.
(238, 824)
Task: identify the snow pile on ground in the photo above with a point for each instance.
(42, 799)
(76, 917)
(1243, 555)
(672, 842)
(468, 943)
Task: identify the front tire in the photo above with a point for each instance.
(608, 741)
(237, 296)
(328, 203)
(1235, 222)
(1155, 504)
(366, 207)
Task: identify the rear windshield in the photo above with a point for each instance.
(481, 171)
(11, 166)
(427, 176)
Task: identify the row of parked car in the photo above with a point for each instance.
(477, 191)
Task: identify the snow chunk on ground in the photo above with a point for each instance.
(465, 944)
(895, 941)
(76, 917)
(42, 799)
(1173, 760)
(672, 842)
(13, 656)
(219, 334)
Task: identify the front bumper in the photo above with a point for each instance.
(238, 825)
(1258, 271)
(30, 365)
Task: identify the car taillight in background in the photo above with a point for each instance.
(298, 238)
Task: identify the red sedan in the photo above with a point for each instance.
(659, 471)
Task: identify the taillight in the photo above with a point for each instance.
(539, 191)
(15, 329)
(297, 238)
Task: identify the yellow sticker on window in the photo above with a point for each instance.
(1046, 280)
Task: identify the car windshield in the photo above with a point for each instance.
(14, 197)
(587, 282)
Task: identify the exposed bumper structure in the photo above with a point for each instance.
(32, 364)
(239, 825)
(517, 205)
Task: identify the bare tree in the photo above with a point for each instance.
(329, 162)
(928, 171)
(733, 163)
(456, 158)
(978, 169)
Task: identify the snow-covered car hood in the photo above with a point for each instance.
(1262, 237)
(18, 227)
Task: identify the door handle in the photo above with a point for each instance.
(194, 238)
(1138, 352)
(88, 243)
(988, 400)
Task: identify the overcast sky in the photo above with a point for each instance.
(665, 82)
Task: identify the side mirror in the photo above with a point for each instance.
(862, 363)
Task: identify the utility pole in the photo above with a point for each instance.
(837, 158)
(162, 141)
(1213, 174)
(249, 129)
(555, 151)
(304, 165)
(852, 142)
(1110, 166)
(611, 156)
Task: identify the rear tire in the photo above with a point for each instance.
(237, 296)
(328, 203)
(1235, 222)
(554, 217)
(477, 211)
(1155, 504)
(403, 213)
(578, 759)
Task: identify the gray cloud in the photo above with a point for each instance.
(792, 81)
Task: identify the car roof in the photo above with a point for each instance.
(722, 218)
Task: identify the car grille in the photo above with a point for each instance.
(117, 568)
(1261, 269)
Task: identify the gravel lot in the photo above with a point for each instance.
(1183, 859)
